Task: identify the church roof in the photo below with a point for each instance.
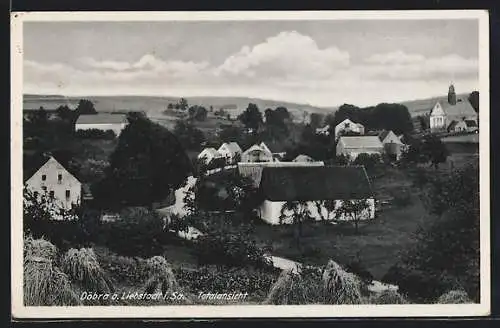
(462, 108)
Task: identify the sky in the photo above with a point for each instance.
(321, 63)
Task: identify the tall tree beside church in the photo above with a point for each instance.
(147, 164)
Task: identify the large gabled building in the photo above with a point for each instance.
(312, 187)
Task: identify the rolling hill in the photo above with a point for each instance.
(154, 106)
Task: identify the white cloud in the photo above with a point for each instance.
(288, 54)
(288, 66)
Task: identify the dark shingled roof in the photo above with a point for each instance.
(315, 183)
(382, 135)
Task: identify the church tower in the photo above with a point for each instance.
(452, 97)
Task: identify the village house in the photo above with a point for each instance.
(463, 126)
(257, 153)
(102, 121)
(207, 155)
(254, 170)
(230, 151)
(320, 190)
(352, 146)
(393, 146)
(443, 113)
(55, 181)
(349, 126)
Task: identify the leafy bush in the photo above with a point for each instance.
(254, 281)
(421, 286)
(139, 232)
(233, 250)
(367, 160)
(95, 134)
(122, 268)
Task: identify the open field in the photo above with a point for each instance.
(378, 242)
(464, 138)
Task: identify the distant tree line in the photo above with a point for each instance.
(395, 117)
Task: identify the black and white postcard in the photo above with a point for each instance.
(250, 164)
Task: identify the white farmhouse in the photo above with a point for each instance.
(231, 151)
(314, 189)
(352, 146)
(209, 154)
(257, 153)
(349, 126)
(56, 182)
(102, 121)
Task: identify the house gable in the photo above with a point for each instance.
(390, 137)
(438, 110)
(54, 179)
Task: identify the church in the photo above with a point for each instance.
(455, 109)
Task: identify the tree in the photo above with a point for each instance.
(353, 210)
(85, 107)
(298, 212)
(65, 113)
(147, 164)
(251, 117)
(434, 150)
(198, 113)
(445, 255)
(170, 106)
(316, 120)
(40, 117)
(474, 100)
(424, 122)
(188, 135)
(367, 160)
(183, 104)
(395, 117)
(326, 209)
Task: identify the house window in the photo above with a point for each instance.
(68, 194)
(44, 177)
(59, 178)
(51, 194)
